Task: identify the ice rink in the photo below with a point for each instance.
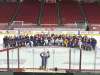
(59, 57)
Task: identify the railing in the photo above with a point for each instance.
(21, 24)
(62, 58)
(69, 26)
(59, 58)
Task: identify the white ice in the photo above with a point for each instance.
(59, 57)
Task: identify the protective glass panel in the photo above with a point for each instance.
(29, 58)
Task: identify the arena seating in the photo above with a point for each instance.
(70, 12)
(28, 12)
(93, 12)
(7, 11)
(49, 16)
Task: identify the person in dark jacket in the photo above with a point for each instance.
(5, 41)
(44, 56)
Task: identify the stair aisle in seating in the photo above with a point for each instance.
(28, 12)
(50, 16)
(93, 14)
(70, 12)
(7, 11)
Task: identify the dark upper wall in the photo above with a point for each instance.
(90, 1)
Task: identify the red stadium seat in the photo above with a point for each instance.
(7, 11)
(28, 12)
(50, 14)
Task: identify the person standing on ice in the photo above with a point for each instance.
(80, 43)
(44, 56)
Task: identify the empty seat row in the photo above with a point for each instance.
(50, 14)
(28, 12)
(93, 13)
(70, 12)
(7, 11)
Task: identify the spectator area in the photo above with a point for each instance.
(70, 12)
(93, 13)
(7, 11)
(28, 12)
(50, 14)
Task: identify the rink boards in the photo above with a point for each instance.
(59, 57)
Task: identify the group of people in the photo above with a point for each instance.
(63, 40)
